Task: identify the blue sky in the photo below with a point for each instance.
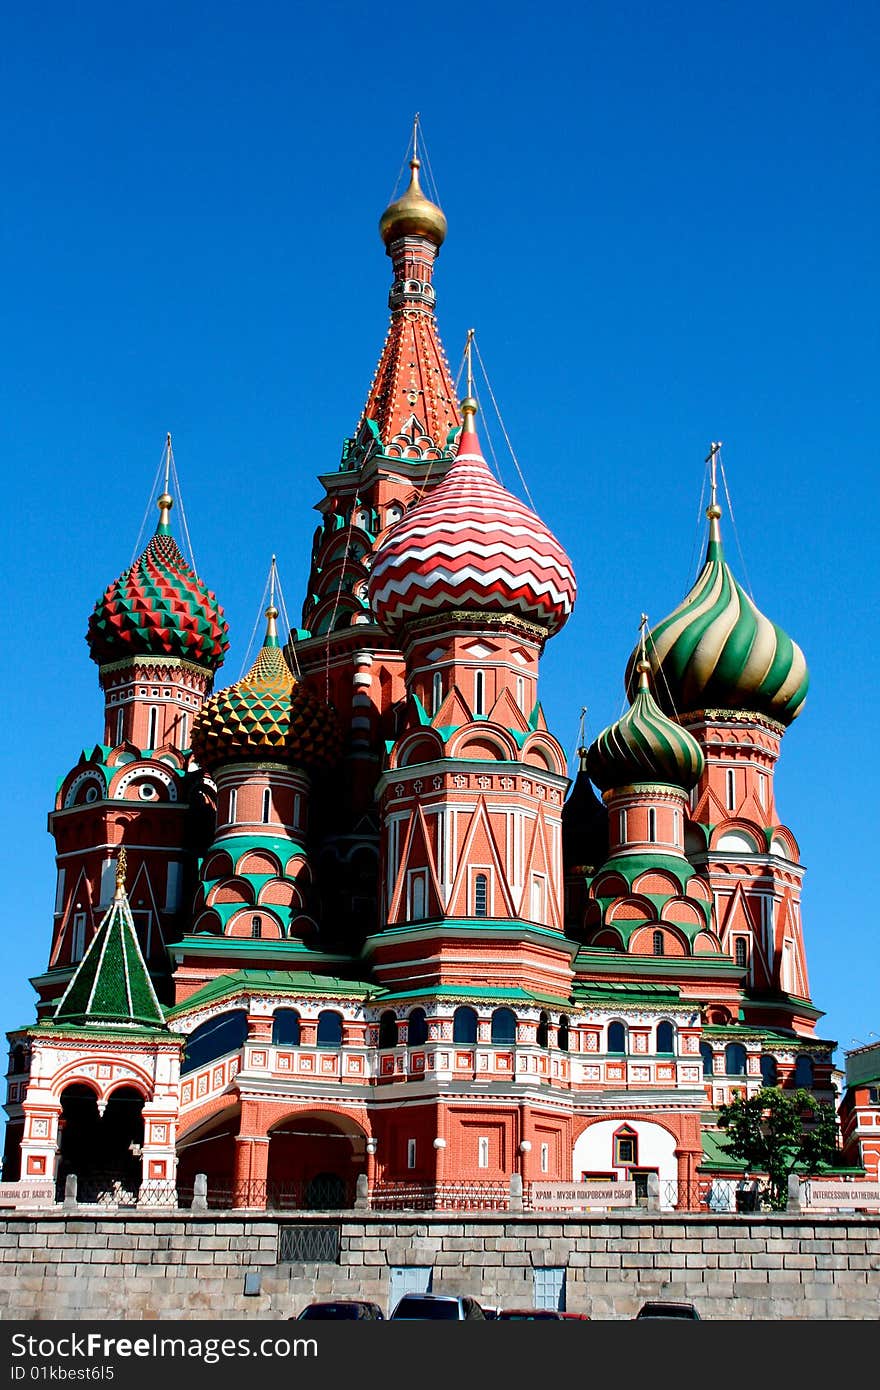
(663, 224)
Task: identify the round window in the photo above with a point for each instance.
(146, 791)
(91, 793)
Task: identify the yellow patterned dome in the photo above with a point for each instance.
(267, 714)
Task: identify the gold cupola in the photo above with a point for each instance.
(413, 214)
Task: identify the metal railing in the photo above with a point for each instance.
(441, 1196)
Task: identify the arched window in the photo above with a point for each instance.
(769, 1070)
(436, 691)
(329, 1028)
(119, 723)
(542, 1036)
(153, 730)
(17, 1060)
(267, 805)
(658, 943)
(665, 1037)
(708, 1057)
(521, 693)
(417, 897)
(388, 1029)
(739, 951)
(256, 928)
(285, 1027)
(562, 1033)
(616, 1037)
(504, 1026)
(464, 1025)
(225, 1033)
(803, 1072)
(652, 824)
(184, 730)
(233, 805)
(735, 1059)
(417, 1029)
(481, 895)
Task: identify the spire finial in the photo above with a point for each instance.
(415, 138)
(644, 666)
(271, 638)
(713, 511)
(120, 874)
(469, 404)
(166, 501)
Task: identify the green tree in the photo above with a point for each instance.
(776, 1132)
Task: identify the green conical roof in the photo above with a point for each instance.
(716, 650)
(112, 984)
(644, 746)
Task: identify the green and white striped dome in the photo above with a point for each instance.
(644, 746)
(717, 651)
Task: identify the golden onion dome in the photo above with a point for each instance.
(413, 214)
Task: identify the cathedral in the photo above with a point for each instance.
(348, 918)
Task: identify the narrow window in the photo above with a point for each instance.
(436, 691)
(388, 1029)
(233, 806)
(545, 1158)
(483, 1151)
(267, 805)
(769, 1070)
(329, 1029)
(731, 789)
(537, 912)
(297, 806)
(481, 895)
(708, 1057)
(464, 1025)
(119, 721)
(562, 1033)
(78, 943)
(658, 943)
(184, 730)
(417, 898)
(521, 693)
(417, 1028)
(542, 1037)
(622, 827)
(153, 731)
(676, 828)
(59, 890)
(665, 1038)
(762, 789)
(479, 692)
(410, 1153)
(652, 825)
(803, 1072)
(172, 887)
(256, 928)
(739, 951)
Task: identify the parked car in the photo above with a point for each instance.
(538, 1314)
(667, 1308)
(347, 1308)
(439, 1306)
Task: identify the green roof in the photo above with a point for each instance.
(715, 1155)
(112, 983)
(515, 994)
(614, 991)
(280, 981)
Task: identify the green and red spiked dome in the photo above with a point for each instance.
(717, 651)
(267, 715)
(158, 607)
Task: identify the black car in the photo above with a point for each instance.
(340, 1308)
(667, 1308)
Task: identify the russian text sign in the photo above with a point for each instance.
(581, 1196)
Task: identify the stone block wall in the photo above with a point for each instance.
(99, 1264)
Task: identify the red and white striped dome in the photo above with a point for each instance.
(471, 545)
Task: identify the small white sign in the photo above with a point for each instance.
(28, 1192)
(582, 1196)
(834, 1195)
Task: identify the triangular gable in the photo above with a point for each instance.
(709, 810)
(417, 853)
(459, 904)
(143, 887)
(453, 712)
(111, 984)
(539, 861)
(743, 913)
(507, 713)
(82, 893)
(787, 929)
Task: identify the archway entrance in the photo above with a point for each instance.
(209, 1148)
(103, 1150)
(314, 1162)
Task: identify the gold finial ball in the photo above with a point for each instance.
(643, 667)
(713, 512)
(413, 215)
(165, 502)
(271, 611)
(469, 406)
